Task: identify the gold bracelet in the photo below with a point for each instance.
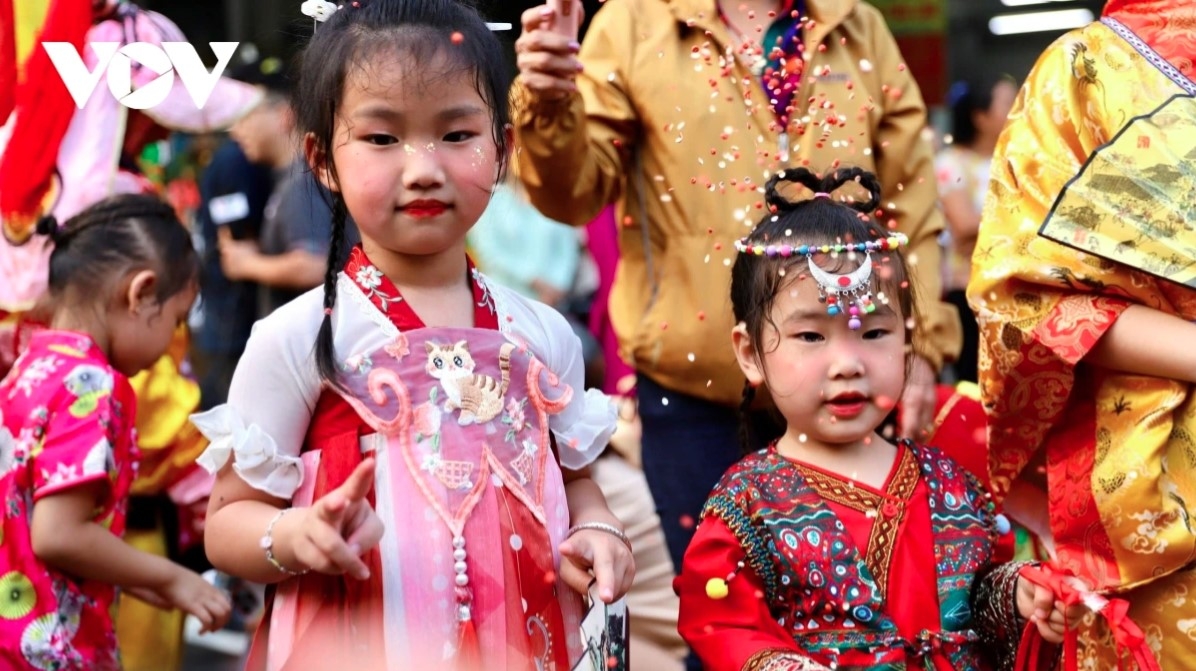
(600, 526)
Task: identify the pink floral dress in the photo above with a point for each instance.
(66, 419)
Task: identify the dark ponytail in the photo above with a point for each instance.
(325, 349)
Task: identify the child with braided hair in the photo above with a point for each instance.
(123, 276)
(404, 451)
(832, 547)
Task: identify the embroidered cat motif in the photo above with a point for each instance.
(478, 397)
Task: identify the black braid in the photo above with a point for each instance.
(747, 434)
(325, 350)
(107, 212)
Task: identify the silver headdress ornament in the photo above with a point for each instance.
(321, 10)
(835, 290)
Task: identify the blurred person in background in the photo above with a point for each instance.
(979, 110)
(233, 194)
(289, 254)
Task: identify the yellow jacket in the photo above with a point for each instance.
(662, 127)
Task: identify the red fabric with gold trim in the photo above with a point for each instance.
(1163, 25)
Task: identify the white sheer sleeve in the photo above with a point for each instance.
(270, 403)
(584, 427)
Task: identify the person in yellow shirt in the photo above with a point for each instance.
(678, 111)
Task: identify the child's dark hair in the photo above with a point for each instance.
(113, 237)
(756, 279)
(421, 30)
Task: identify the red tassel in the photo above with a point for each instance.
(469, 652)
(1127, 636)
(45, 109)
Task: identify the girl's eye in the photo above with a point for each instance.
(460, 136)
(809, 336)
(380, 140)
(875, 334)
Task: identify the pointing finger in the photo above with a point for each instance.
(359, 483)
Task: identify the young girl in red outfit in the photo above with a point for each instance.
(123, 275)
(404, 451)
(834, 548)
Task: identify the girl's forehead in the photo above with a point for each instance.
(396, 74)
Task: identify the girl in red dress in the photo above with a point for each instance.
(833, 547)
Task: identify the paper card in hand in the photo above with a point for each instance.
(604, 636)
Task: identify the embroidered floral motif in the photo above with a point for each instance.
(37, 372)
(525, 464)
(369, 278)
(360, 364)
(486, 300)
(514, 418)
(426, 422)
(398, 347)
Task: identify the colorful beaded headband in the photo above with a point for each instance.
(833, 289)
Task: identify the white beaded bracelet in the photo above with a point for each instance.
(600, 526)
(267, 544)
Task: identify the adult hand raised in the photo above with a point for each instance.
(547, 55)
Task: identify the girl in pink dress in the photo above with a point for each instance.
(403, 453)
(123, 275)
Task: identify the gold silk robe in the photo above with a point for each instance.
(1119, 450)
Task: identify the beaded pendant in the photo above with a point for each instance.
(838, 290)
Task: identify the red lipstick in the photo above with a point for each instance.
(421, 209)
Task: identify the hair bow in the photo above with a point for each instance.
(320, 10)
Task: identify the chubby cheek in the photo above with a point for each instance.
(797, 378)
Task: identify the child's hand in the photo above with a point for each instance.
(603, 553)
(1037, 604)
(190, 593)
(331, 535)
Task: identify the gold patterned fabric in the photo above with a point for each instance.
(151, 638)
(1119, 451)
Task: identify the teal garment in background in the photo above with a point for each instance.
(513, 244)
